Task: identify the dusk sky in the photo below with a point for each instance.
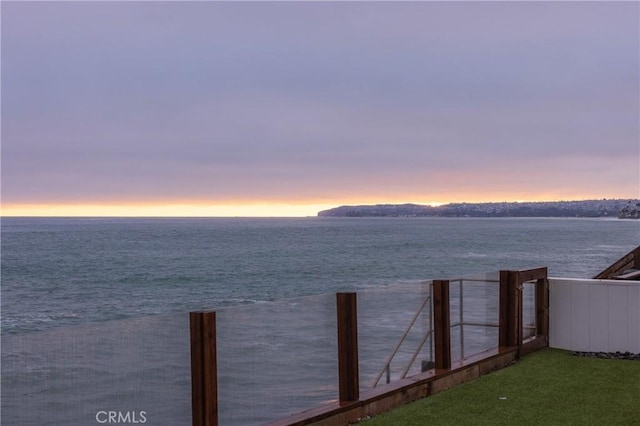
(286, 108)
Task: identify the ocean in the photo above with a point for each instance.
(94, 310)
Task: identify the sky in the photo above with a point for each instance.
(287, 108)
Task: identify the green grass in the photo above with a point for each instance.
(549, 387)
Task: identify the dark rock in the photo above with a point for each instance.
(609, 355)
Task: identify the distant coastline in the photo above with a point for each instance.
(620, 208)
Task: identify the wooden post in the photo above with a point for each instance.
(542, 307)
(509, 312)
(518, 294)
(441, 324)
(348, 376)
(204, 374)
(503, 313)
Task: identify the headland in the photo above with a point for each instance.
(620, 208)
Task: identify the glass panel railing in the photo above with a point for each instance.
(276, 359)
(474, 304)
(394, 326)
(134, 370)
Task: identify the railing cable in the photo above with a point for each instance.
(415, 354)
(404, 336)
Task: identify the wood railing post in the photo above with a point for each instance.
(519, 292)
(509, 312)
(441, 324)
(204, 374)
(348, 375)
(542, 307)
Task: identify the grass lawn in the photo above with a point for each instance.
(549, 387)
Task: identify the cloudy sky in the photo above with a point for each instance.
(283, 108)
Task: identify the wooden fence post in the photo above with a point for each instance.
(441, 324)
(542, 307)
(204, 374)
(509, 313)
(348, 375)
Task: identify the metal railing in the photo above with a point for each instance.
(461, 322)
(428, 304)
(387, 365)
(502, 302)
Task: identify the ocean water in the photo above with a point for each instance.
(94, 311)
(76, 271)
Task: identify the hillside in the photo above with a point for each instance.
(622, 208)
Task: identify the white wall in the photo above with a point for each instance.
(594, 315)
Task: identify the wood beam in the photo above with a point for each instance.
(441, 324)
(348, 376)
(204, 371)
